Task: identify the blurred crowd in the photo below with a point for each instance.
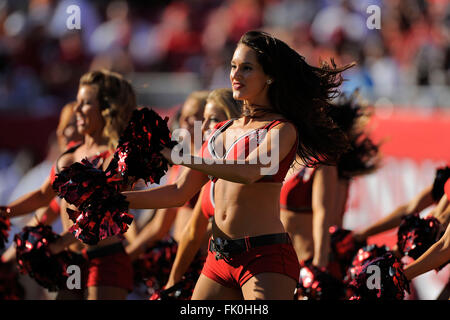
(41, 59)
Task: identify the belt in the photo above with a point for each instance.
(103, 251)
(226, 248)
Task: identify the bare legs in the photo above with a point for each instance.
(207, 289)
(269, 286)
(263, 286)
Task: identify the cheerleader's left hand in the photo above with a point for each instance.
(56, 246)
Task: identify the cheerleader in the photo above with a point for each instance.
(67, 136)
(286, 100)
(432, 195)
(105, 101)
(220, 106)
(164, 219)
(314, 199)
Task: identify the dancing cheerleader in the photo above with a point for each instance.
(165, 219)
(396, 278)
(314, 199)
(437, 220)
(220, 106)
(105, 101)
(430, 196)
(436, 256)
(423, 239)
(285, 112)
(67, 136)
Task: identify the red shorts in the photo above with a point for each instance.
(235, 271)
(112, 270)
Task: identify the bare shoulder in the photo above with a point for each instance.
(327, 172)
(66, 160)
(286, 132)
(70, 156)
(288, 128)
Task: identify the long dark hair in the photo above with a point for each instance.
(352, 117)
(303, 94)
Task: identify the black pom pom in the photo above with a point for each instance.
(154, 265)
(379, 279)
(343, 248)
(102, 209)
(34, 257)
(153, 268)
(10, 287)
(138, 154)
(415, 234)
(364, 255)
(317, 284)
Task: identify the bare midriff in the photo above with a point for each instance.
(246, 209)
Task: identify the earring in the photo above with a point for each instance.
(269, 81)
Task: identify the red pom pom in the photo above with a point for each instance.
(10, 287)
(34, 257)
(138, 154)
(391, 284)
(153, 268)
(154, 265)
(318, 284)
(102, 209)
(415, 234)
(343, 249)
(364, 255)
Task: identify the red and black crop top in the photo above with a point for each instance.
(296, 192)
(241, 148)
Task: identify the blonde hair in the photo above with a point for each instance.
(223, 98)
(117, 101)
(199, 97)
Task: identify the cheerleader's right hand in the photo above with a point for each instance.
(56, 247)
(358, 237)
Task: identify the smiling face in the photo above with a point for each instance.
(248, 80)
(213, 114)
(87, 111)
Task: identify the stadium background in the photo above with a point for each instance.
(170, 48)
